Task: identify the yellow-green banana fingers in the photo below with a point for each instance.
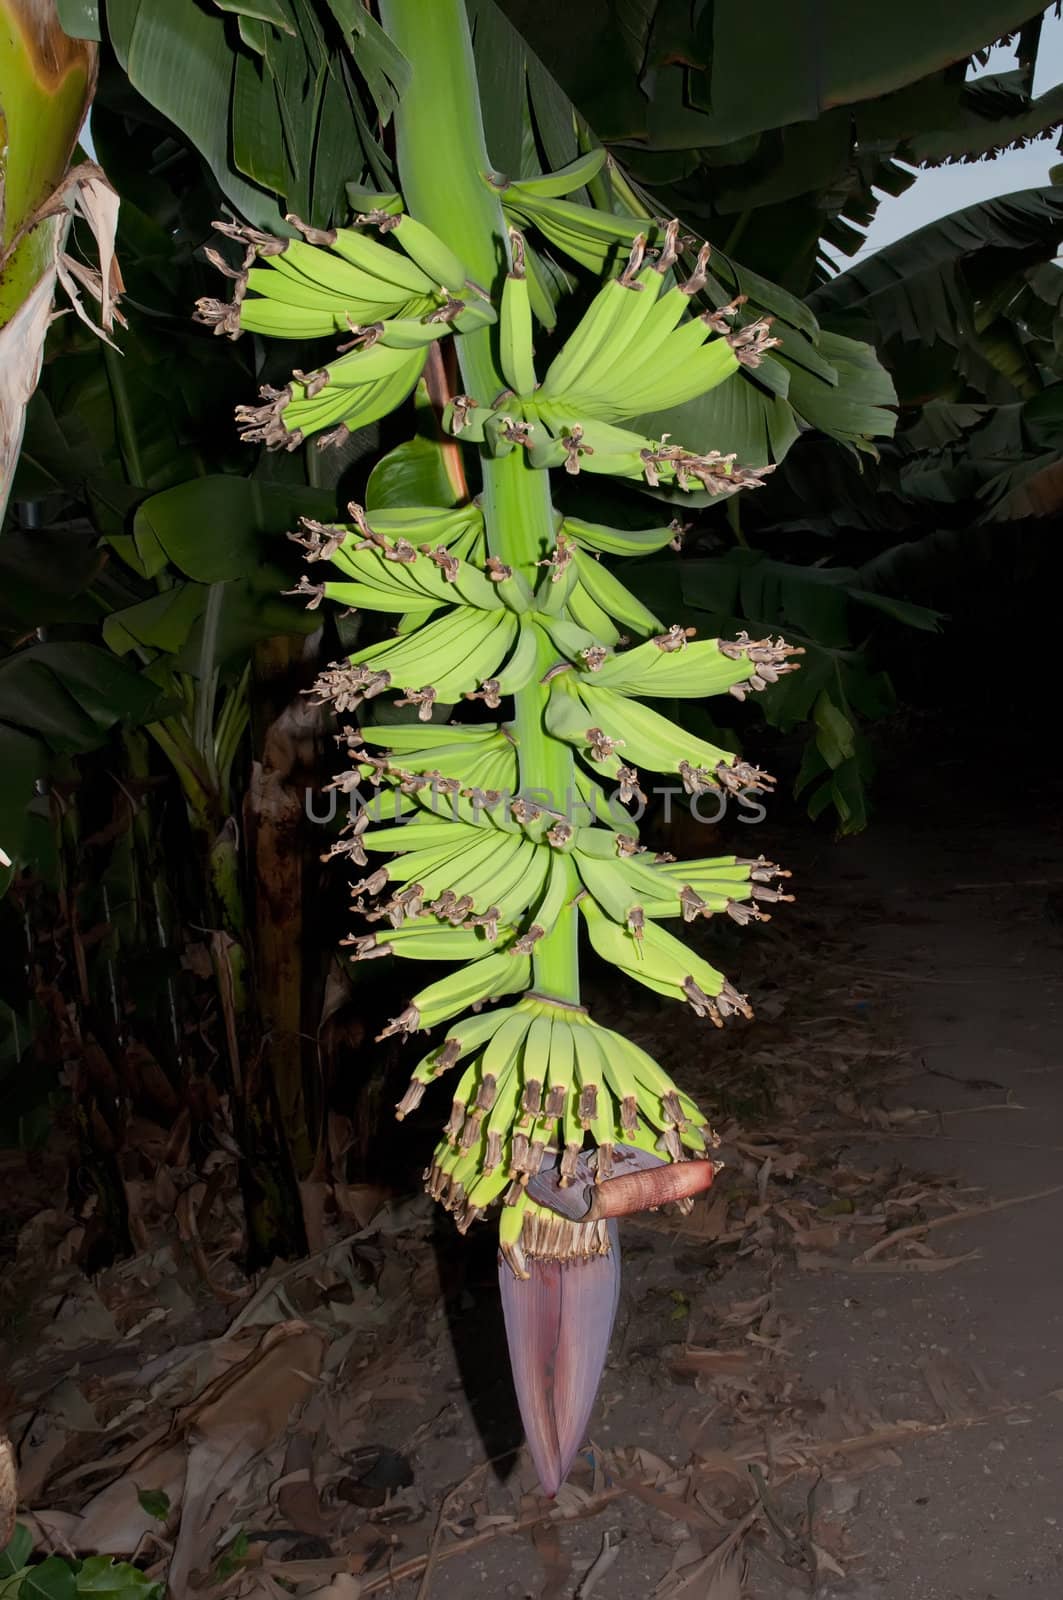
(595, 536)
(463, 1039)
(515, 338)
(664, 964)
(482, 980)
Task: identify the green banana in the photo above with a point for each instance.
(651, 741)
(499, 1060)
(572, 640)
(663, 963)
(618, 541)
(279, 320)
(423, 941)
(575, 175)
(465, 1037)
(609, 593)
(673, 668)
(592, 238)
(535, 1065)
(481, 662)
(414, 736)
(434, 259)
(514, 900)
(515, 348)
(595, 1103)
(519, 668)
(590, 616)
(492, 975)
(436, 649)
(333, 275)
(599, 337)
(391, 266)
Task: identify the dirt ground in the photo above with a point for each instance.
(841, 1376)
(940, 1373)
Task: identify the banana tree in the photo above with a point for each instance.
(503, 838)
(506, 836)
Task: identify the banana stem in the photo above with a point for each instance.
(442, 154)
(439, 130)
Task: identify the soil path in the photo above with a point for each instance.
(969, 1353)
(973, 1513)
(909, 1012)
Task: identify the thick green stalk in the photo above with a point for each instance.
(440, 136)
(442, 162)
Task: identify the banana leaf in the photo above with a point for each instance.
(46, 85)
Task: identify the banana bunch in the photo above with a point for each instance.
(479, 879)
(601, 722)
(640, 348)
(592, 238)
(555, 434)
(539, 1077)
(390, 303)
(482, 865)
(495, 830)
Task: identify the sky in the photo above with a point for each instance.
(940, 190)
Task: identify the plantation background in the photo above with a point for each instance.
(188, 1058)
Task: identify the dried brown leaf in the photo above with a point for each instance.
(695, 1359)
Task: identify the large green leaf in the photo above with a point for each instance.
(736, 416)
(853, 410)
(980, 127)
(43, 577)
(150, 37)
(911, 290)
(217, 527)
(56, 700)
(413, 474)
(79, 18)
(17, 1551)
(278, 92)
(822, 53)
(115, 1580)
(162, 623)
(249, 611)
(54, 1579)
(71, 693)
(711, 75)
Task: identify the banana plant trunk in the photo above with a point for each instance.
(47, 81)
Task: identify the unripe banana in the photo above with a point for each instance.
(592, 238)
(390, 266)
(515, 349)
(609, 593)
(471, 985)
(568, 178)
(278, 320)
(435, 259)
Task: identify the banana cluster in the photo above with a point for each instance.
(641, 347)
(539, 1078)
(457, 859)
(474, 628)
(477, 874)
(391, 298)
